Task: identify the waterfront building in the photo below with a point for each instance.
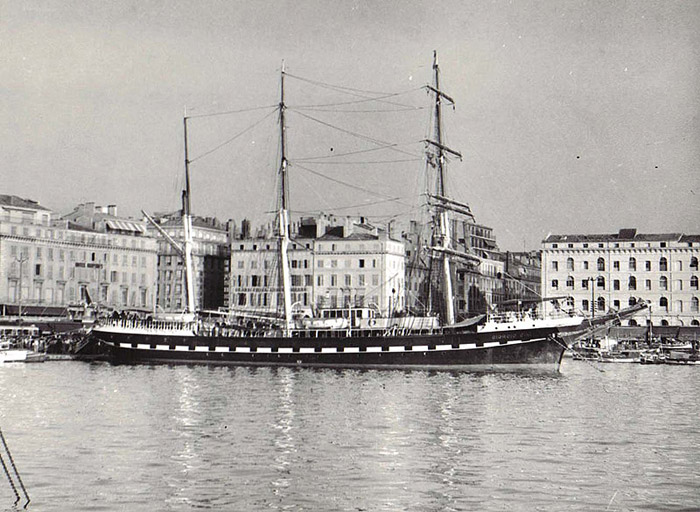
(90, 254)
(522, 276)
(599, 273)
(210, 262)
(334, 262)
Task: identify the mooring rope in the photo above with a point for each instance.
(9, 479)
(556, 340)
(14, 468)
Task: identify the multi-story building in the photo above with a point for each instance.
(89, 254)
(333, 263)
(606, 272)
(522, 276)
(476, 287)
(210, 262)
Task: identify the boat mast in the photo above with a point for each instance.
(187, 230)
(283, 215)
(440, 190)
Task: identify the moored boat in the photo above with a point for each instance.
(357, 337)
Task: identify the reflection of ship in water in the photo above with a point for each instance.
(349, 337)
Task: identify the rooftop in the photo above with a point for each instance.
(626, 235)
(18, 202)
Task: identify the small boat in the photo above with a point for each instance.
(11, 354)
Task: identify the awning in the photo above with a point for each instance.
(125, 225)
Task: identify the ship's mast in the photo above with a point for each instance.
(283, 215)
(443, 222)
(187, 230)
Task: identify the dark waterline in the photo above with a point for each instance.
(102, 437)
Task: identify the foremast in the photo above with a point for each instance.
(187, 231)
(283, 214)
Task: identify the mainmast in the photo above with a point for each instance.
(187, 230)
(283, 215)
(443, 222)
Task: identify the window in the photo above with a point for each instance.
(362, 263)
(570, 282)
(632, 301)
(319, 280)
(632, 283)
(601, 282)
(663, 304)
(348, 280)
(37, 270)
(647, 284)
(694, 282)
(679, 306)
(663, 283)
(334, 280)
(555, 283)
(647, 265)
(693, 263)
(616, 304)
(555, 265)
(569, 264)
(663, 265)
(585, 265)
(584, 284)
(585, 305)
(694, 304)
(633, 264)
(616, 265)
(600, 306)
(616, 284)
(601, 264)
(679, 285)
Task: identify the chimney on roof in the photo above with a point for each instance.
(112, 209)
(627, 234)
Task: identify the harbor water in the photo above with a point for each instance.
(100, 437)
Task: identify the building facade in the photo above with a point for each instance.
(89, 255)
(599, 273)
(333, 263)
(210, 262)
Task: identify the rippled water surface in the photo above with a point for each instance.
(102, 437)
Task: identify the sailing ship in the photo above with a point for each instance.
(352, 337)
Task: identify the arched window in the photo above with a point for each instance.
(601, 264)
(616, 284)
(569, 302)
(632, 301)
(633, 264)
(663, 283)
(632, 323)
(555, 284)
(569, 264)
(664, 322)
(570, 282)
(694, 263)
(695, 323)
(679, 306)
(694, 282)
(663, 303)
(694, 304)
(601, 282)
(600, 304)
(632, 285)
(663, 264)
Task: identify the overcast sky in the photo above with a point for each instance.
(572, 116)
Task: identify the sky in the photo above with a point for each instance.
(572, 116)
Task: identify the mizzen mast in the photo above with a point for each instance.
(443, 236)
(283, 214)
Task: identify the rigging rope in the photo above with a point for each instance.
(349, 153)
(388, 145)
(240, 111)
(192, 160)
(9, 479)
(379, 194)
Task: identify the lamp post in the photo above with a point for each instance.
(21, 261)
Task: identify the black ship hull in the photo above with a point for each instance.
(532, 347)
